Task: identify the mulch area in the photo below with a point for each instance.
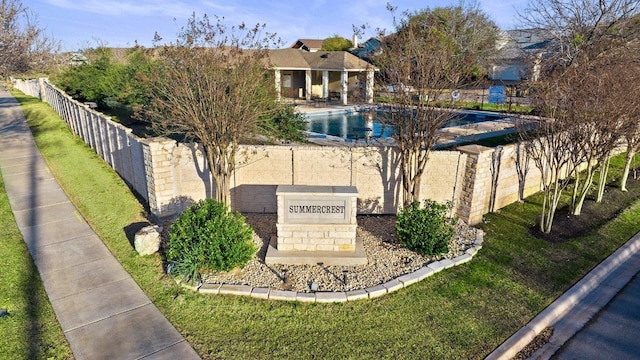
(567, 226)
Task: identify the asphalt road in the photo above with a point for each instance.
(612, 334)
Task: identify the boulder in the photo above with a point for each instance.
(147, 240)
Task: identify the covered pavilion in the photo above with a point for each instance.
(322, 75)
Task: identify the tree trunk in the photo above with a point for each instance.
(408, 177)
(548, 209)
(604, 172)
(574, 193)
(550, 202)
(583, 191)
(545, 205)
(223, 191)
(522, 168)
(221, 164)
(627, 166)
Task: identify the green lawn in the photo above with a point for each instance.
(464, 312)
(514, 108)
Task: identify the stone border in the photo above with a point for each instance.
(339, 296)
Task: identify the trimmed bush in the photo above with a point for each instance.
(208, 237)
(426, 230)
(286, 124)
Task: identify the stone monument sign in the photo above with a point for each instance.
(316, 224)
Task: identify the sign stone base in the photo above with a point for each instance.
(328, 258)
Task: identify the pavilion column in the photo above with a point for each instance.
(307, 84)
(369, 86)
(344, 87)
(325, 84)
(278, 84)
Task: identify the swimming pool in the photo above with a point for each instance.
(360, 124)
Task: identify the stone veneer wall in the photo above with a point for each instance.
(170, 176)
(468, 177)
(374, 171)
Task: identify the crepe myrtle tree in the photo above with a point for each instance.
(591, 47)
(580, 127)
(430, 52)
(631, 120)
(212, 86)
(626, 91)
(23, 45)
(555, 144)
(596, 113)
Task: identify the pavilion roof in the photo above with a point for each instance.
(295, 59)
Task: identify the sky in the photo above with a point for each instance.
(79, 24)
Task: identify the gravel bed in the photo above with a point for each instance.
(386, 259)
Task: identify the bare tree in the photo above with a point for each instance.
(213, 86)
(631, 119)
(431, 53)
(522, 160)
(23, 45)
(555, 145)
(597, 115)
(632, 137)
(624, 106)
(576, 25)
(625, 91)
(575, 90)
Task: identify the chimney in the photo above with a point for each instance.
(355, 41)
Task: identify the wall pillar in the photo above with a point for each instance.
(307, 84)
(159, 172)
(325, 84)
(278, 83)
(41, 94)
(476, 189)
(344, 87)
(369, 86)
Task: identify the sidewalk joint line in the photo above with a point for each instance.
(107, 317)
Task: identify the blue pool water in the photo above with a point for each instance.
(360, 124)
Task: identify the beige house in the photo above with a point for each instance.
(311, 45)
(519, 55)
(322, 75)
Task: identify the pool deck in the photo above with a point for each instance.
(448, 136)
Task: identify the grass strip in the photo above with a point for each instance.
(30, 330)
(463, 312)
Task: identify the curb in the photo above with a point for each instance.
(388, 287)
(566, 302)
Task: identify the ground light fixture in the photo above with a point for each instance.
(314, 285)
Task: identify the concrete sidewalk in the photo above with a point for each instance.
(570, 312)
(104, 314)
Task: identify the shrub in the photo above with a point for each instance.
(426, 230)
(208, 237)
(286, 124)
